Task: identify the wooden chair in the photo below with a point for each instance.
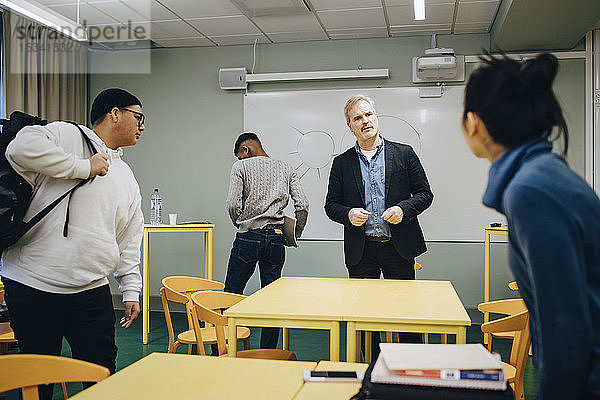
(6, 333)
(208, 307)
(178, 289)
(505, 307)
(514, 286)
(389, 336)
(515, 369)
(26, 371)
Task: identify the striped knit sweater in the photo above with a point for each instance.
(259, 189)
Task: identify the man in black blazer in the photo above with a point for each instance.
(376, 190)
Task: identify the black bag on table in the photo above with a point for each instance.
(389, 391)
(15, 191)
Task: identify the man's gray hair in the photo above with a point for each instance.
(355, 99)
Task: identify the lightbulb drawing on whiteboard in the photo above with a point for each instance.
(315, 149)
(391, 127)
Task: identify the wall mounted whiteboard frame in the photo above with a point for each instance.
(308, 129)
(592, 77)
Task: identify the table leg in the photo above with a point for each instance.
(208, 255)
(486, 280)
(285, 339)
(358, 346)
(232, 333)
(351, 340)
(208, 258)
(334, 341)
(145, 287)
(461, 337)
(368, 344)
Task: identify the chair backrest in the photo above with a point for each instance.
(6, 333)
(506, 306)
(26, 371)
(208, 307)
(179, 289)
(519, 352)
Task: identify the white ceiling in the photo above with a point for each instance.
(183, 23)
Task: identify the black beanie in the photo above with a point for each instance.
(109, 99)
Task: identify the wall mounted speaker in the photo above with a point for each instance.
(232, 78)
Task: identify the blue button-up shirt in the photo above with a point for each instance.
(373, 177)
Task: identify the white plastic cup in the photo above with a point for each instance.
(173, 219)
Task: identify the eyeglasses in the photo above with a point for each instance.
(137, 115)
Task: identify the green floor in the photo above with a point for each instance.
(308, 345)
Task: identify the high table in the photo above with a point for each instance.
(181, 376)
(208, 262)
(489, 231)
(365, 304)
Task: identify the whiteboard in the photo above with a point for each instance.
(308, 129)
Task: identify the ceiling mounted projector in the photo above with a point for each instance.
(438, 65)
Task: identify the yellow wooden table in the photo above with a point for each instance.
(208, 262)
(402, 306)
(489, 231)
(331, 390)
(181, 376)
(310, 303)
(366, 304)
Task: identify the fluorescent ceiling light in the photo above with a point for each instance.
(318, 75)
(44, 15)
(419, 9)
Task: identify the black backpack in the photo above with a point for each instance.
(15, 191)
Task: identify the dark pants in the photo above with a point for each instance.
(267, 248)
(40, 320)
(382, 258)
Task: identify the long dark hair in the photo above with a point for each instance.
(515, 100)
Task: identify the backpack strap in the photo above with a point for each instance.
(93, 151)
(38, 217)
(87, 140)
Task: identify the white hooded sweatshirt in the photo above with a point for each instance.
(105, 217)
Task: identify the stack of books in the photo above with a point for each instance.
(468, 366)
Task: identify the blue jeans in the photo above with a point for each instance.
(267, 248)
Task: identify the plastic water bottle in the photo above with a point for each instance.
(155, 208)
